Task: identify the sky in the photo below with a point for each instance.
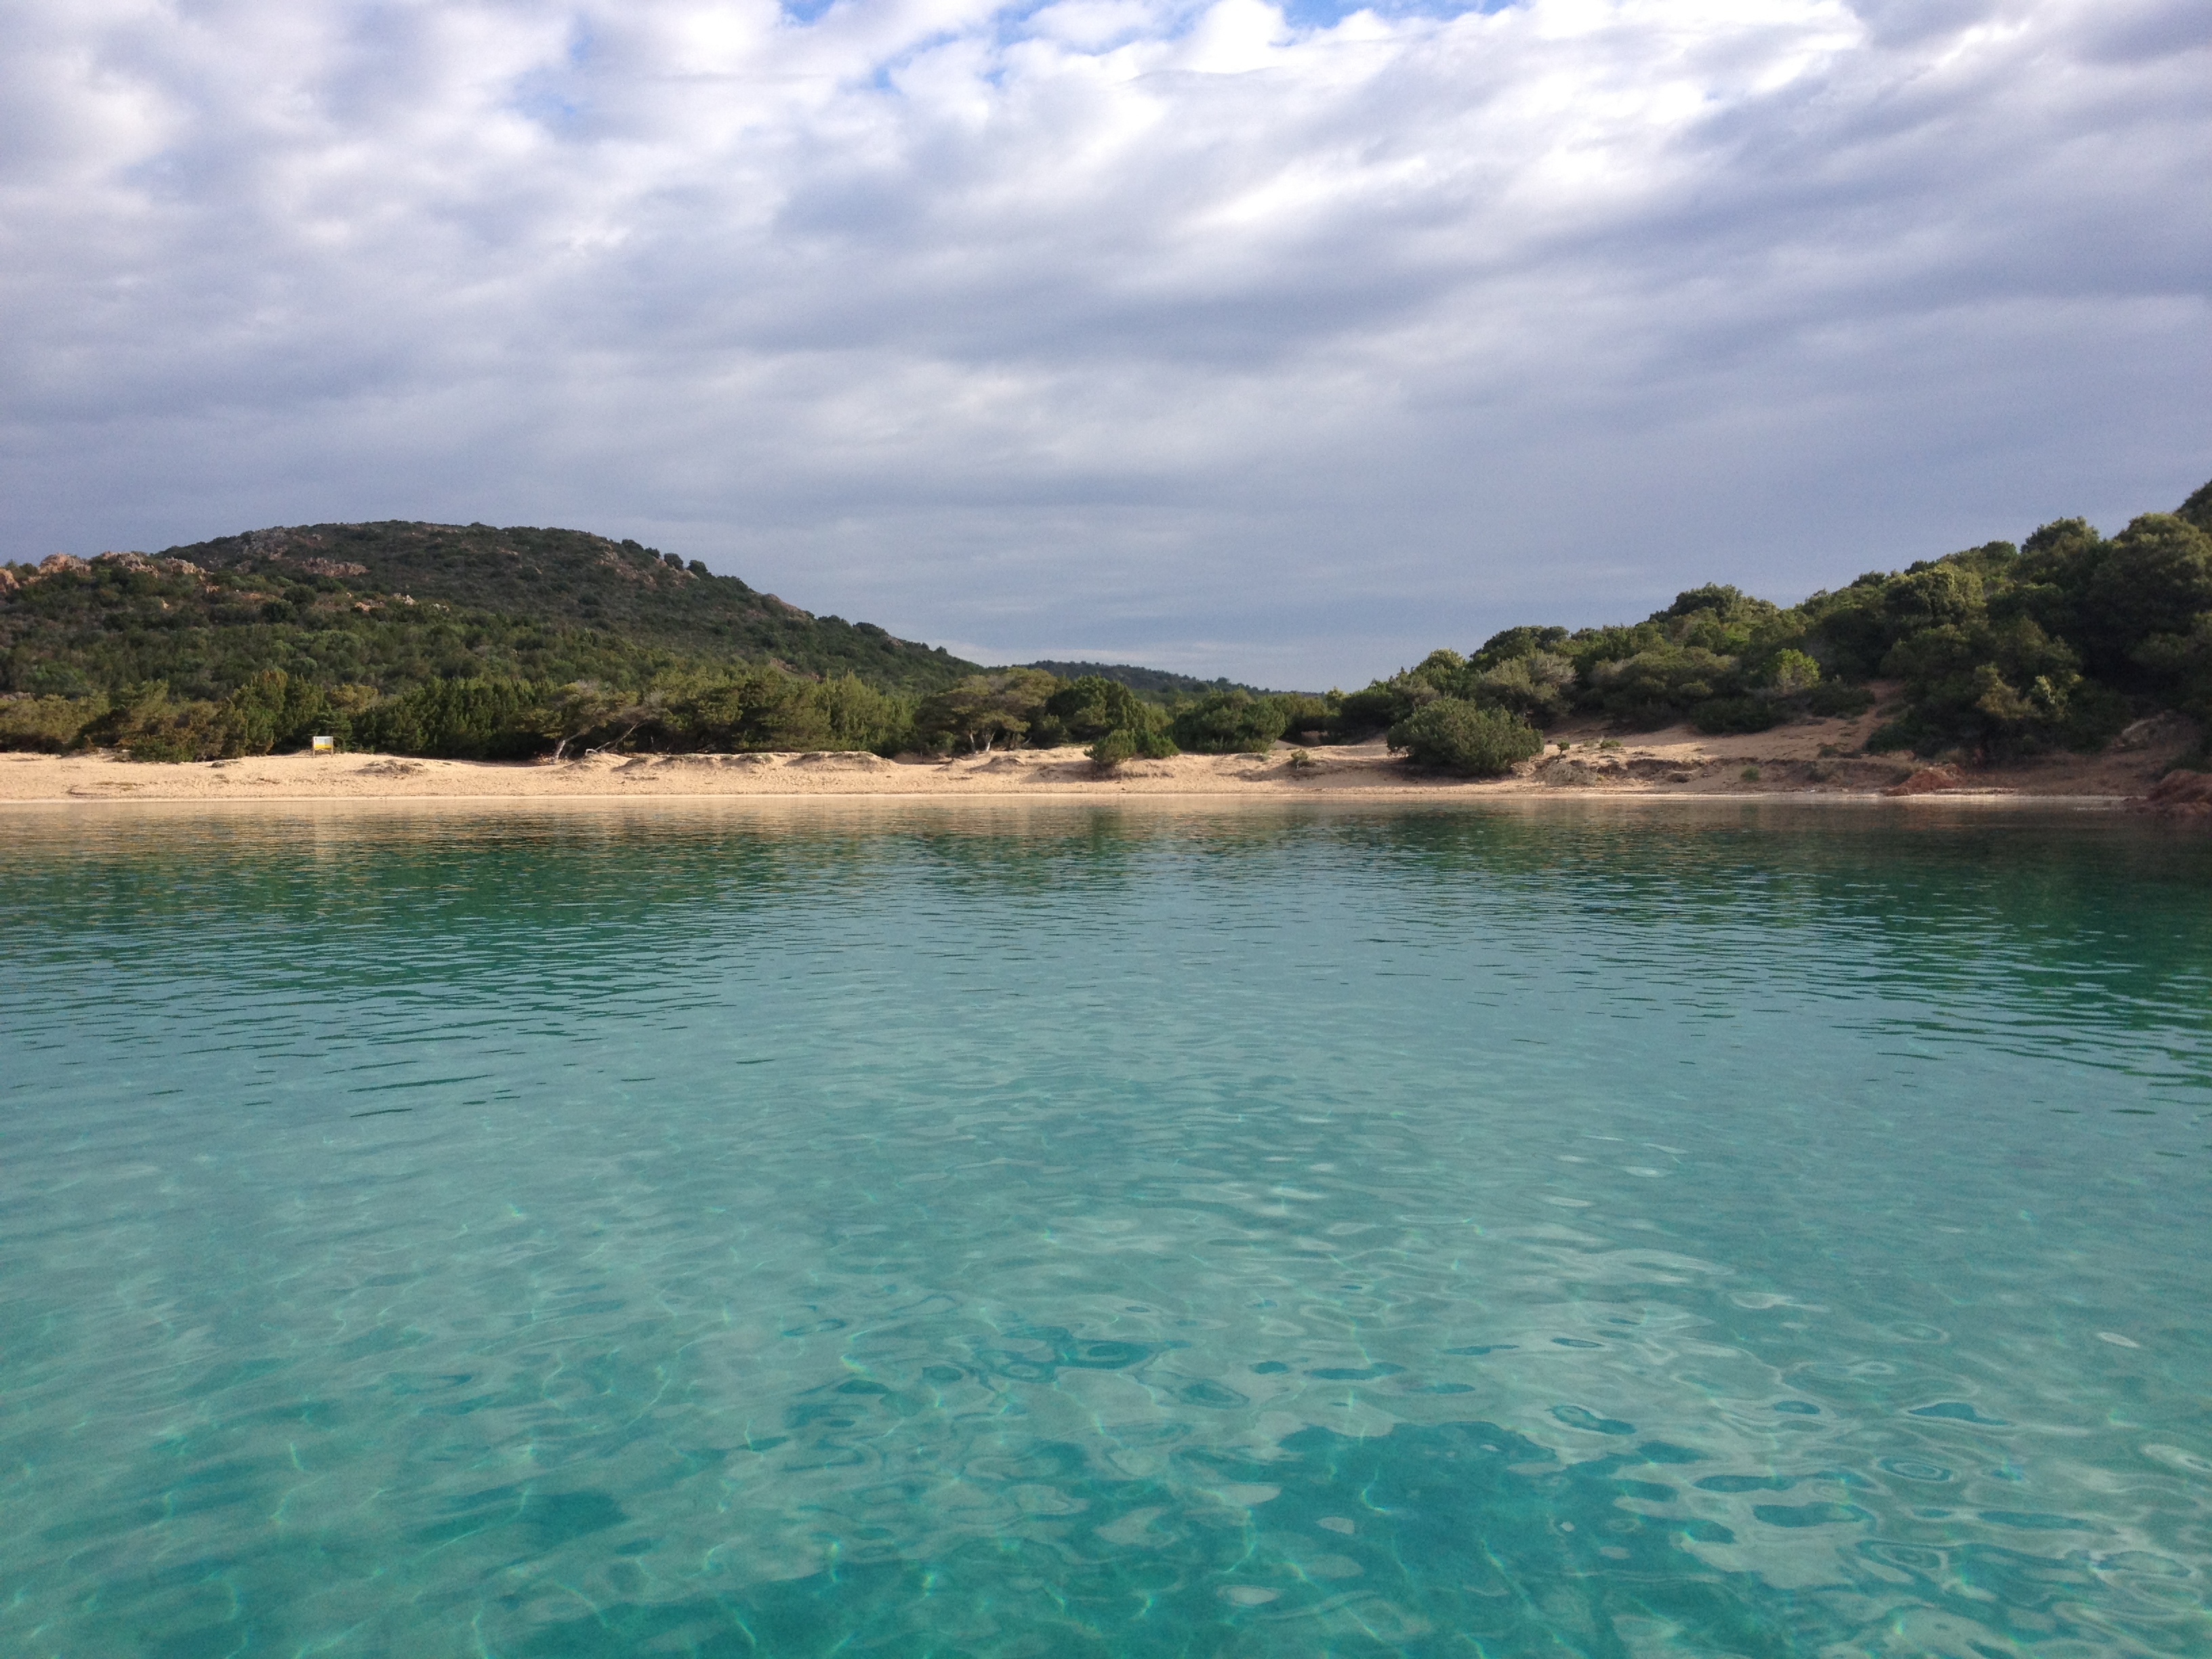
(1282, 344)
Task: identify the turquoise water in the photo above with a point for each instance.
(1608, 1231)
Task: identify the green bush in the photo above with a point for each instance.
(1831, 698)
(2182, 665)
(459, 720)
(1229, 723)
(1464, 736)
(1537, 685)
(1142, 742)
(274, 710)
(740, 709)
(984, 711)
(48, 725)
(1999, 690)
(1656, 685)
(1717, 714)
(1090, 706)
(148, 724)
(1792, 673)
(1889, 738)
(2155, 577)
(1304, 713)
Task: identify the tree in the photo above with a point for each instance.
(2155, 577)
(1535, 685)
(272, 710)
(459, 718)
(1089, 706)
(48, 724)
(1522, 641)
(2001, 689)
(2183, 664)
(984, 710)
(583, 709)
(2197, 509)
(1792, 672)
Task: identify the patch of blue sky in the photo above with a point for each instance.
(1326, 14)
(1011, 21)
(548, 96)
(540, 99)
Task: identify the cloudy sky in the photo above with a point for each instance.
(1283, 343)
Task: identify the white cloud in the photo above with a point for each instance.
(1171, 331)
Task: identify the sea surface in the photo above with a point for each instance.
(1606, 1229)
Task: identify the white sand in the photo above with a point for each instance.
(1674, 761)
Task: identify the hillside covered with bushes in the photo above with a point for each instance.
(476, 643)
(393, 605)
(1994, 654)
(403, 633)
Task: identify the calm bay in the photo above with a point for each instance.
(1605, 1229)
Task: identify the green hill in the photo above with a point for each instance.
(1994, 652)
(396, 604)
(468, 640)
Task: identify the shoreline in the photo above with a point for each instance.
(1988, 797)
(1679, 766)
(1811, 761)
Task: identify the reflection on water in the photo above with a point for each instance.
(1726, 1231)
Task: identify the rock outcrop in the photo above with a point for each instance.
(1928, 780)
(2179, 794)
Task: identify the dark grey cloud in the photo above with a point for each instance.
(1175, 332)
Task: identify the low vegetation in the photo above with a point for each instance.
(1997, 651)
(472, 642)
(1460, 736)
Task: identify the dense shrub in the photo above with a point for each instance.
(1537, 685)
(2002, 651)
(1304, 713)
(1999, 690)
(47, 723)
(1138, 742)
(2181, 664)
(1229, 723)
(1831, 698)
(273, 710)
(1717, 714)
(148, 724)
(460, 720)
(1464, 737)
(1087, 707)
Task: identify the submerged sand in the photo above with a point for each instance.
(1674, 762)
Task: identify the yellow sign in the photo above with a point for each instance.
(326, 746)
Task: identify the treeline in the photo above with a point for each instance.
(472, 718)
(1995, 652)
(1017, 707)
(685, 710)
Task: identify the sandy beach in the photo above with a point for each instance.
(1676, 761)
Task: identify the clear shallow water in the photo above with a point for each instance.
(1731, 1230)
